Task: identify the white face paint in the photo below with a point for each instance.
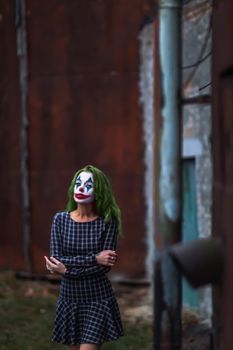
(84, 188)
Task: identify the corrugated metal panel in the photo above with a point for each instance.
(223, 164)
(11, 245)
(223, 201)
(83, 109)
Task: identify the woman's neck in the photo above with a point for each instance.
(84, 212)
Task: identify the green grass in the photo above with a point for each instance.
(26, 324)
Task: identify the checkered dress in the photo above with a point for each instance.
(87, 310)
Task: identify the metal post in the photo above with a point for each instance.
(169, 177)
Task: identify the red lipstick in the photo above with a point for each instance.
(80, 196)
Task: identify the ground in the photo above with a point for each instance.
(27, 311)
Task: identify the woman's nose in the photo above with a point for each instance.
(81, 189)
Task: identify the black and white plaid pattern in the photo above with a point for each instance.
(87, 311)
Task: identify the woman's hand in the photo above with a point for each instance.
(107, 258)
(54, 265)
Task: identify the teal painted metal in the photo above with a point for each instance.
(189, 226)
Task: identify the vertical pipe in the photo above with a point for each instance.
(23, 82)
(169, 182)
(170, 148)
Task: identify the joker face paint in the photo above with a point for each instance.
(84, 188)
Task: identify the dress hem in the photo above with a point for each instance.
(86, 342)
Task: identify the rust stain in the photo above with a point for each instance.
(223, 168)
(83, 99)
(83, 108)
(11, 247)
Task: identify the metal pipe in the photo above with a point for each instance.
(170, 148)
(169, 182)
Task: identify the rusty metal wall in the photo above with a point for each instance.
(223, 165)
(11, 245)
(83, 109)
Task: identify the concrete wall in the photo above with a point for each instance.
(197, 125)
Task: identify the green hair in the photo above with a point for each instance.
(106, 205)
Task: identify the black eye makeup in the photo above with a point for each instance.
(89, 186)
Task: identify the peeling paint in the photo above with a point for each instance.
(23, 83)
(146, 87)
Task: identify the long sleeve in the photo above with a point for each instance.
(110, 242)
(56, 249)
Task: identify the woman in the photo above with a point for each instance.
(83, 244)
